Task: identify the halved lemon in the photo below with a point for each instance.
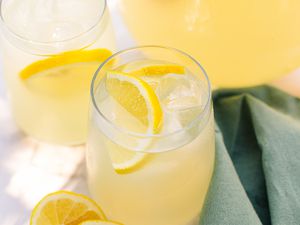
(99, 222)
(65, 208)
(66, 74)
(140, 100)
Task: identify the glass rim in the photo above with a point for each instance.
(149, 135)
(3, 23)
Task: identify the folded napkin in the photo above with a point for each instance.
(257, 169)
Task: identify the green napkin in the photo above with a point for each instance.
(257, 171)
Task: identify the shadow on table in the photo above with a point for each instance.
(29, 170)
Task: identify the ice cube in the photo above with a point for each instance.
(171, 123)
(181, 99)
(44, 20)
(179, 92)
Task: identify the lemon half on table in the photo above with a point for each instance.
(68, 208)
(65, 208)
(98, 222)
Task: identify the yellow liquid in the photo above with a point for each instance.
(239, 43)
(53, 106)
(171, 185)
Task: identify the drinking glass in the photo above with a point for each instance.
(51, 49)
(140, 176)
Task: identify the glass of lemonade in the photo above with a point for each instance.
(51, 49)
(151, 143)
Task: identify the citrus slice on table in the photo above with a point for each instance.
(99, 222)
(64, 74)
(140, 100)
(65, 208)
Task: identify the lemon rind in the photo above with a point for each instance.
(66, 58)
(57, 195)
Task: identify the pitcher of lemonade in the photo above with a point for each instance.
(240, 43)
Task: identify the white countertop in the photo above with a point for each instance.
(29, 170)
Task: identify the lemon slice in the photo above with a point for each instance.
(158, 70)
(64, 75)
(126, 161)
(99, 222)
(65, 208)
(139, 99)
(152, 73)
(63, 59)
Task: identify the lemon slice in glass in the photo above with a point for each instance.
(66, 74)
(65, 207)
(137, 97)
(152, 71)
(151, 67)
(163, 69)
(140, 100)
(125, 161)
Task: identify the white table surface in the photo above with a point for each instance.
(29, 170)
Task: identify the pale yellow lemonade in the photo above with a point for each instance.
(155, 174)
(240, 43)
(51, 49)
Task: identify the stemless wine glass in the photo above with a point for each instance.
(142, 176)
(51, 49)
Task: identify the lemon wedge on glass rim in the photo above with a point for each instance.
(140, 100)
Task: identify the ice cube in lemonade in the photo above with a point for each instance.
(51, 50)
(150, 153)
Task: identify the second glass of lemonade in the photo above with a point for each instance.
(151, 143)
(51, 49)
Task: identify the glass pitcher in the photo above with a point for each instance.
(240, 43)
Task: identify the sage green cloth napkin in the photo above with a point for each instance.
(257, 171)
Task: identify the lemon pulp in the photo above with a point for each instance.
(99, 222)
(67, 208)
(139, 99)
